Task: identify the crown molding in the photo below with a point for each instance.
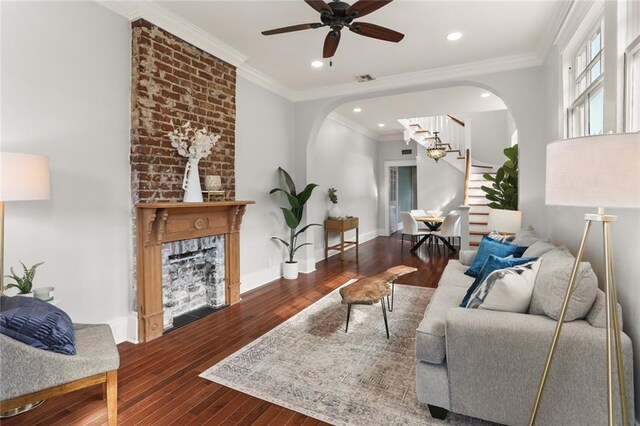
(178, 26)
(341, 119)
(575, 16)
(261, 79)
(465, 70)
(556, 21)
(393, 137)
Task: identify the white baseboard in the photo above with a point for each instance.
(259, 278)
(307, 266)
(125, 328)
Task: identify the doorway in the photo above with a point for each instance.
(403, 194)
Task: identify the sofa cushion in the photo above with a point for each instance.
(488, 247)
(492, 264)
(538, 248)
(507, 290)
(526, 236)
(37, 323)
(552, 282)
(466, 256)
(453, 275)
(495, 235)
(430, 336)
(597, 315)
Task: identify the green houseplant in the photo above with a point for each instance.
(23, 283)
(503, 193)
(292, 217)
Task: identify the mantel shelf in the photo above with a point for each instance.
(182, 205)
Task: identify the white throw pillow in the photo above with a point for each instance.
(507, 290)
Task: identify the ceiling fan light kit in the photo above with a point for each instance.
(338, 15)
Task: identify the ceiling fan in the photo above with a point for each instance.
(337, 15)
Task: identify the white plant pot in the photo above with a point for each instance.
(290, 270)
(334, 211)
(191, 182)
(25, 294)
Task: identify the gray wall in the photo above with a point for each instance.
(489, 135)
(264, 142)
(65, 94)
(345, 160)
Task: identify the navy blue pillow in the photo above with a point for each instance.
(37, 323)
(493, 263)
(489, 246)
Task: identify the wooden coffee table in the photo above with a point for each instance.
(370, 290)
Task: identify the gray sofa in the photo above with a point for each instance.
(487, 364)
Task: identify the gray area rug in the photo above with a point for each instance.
(310, 365)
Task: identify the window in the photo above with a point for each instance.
(586, 111)
(632, 57)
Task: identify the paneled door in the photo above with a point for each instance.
(393, 200)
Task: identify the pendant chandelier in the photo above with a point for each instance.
(435, 150)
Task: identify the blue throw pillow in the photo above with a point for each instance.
(37, 323)
(493, 263)
(489, 246)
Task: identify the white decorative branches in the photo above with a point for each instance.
(196, 144)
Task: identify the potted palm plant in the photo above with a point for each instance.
(24, 283)
(292, 217)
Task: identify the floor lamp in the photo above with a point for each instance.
(22, 177)
(595, 171)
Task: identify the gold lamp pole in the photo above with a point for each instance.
(573, 179)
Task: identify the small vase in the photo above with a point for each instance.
(191, 182)
(335, 211)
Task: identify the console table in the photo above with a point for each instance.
(341, 226)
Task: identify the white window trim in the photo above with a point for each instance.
(632, 49)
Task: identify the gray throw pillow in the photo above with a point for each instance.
(597, 315)
(538, 248)
(466, 256)
(552, 282)
(526, 237)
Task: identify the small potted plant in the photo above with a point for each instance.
(333, 197)
(23, 283)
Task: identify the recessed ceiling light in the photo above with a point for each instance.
(317, 64)
(485, 95)
(381, 125)
(454, 36)
(357, 109)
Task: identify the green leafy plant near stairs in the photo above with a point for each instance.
(293, 214)
(503, 193)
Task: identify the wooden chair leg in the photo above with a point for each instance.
(112, 397)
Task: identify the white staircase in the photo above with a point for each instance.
(454, 136)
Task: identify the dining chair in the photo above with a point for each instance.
(421, 226)
(410, 227)
(451, 227)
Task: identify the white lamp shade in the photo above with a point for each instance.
(505, 221)
(594, 171)
(24, 177)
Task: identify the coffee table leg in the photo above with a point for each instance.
(346, 329)
(393, 290)
(384, 314)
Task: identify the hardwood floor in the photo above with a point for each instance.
(158, 381)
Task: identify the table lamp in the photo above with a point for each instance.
(595, 171)
(504, 221)
(22, 177)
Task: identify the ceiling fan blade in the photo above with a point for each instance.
(376, 31)
(291, 28)
(365, 7)
(319, 6)
(331, 44)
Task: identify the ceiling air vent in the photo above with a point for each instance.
(364, 78)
